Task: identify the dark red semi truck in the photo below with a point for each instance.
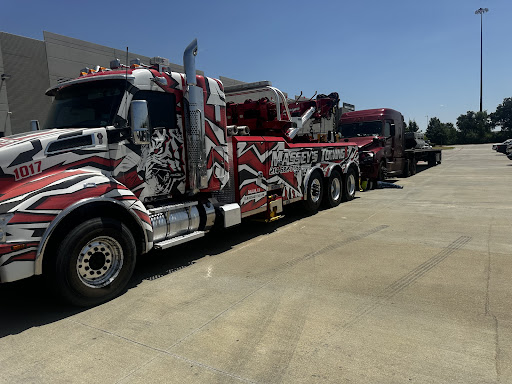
(385, 149)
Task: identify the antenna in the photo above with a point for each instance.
(126, 88)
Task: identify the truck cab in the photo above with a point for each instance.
(385, 149)
(379, 134)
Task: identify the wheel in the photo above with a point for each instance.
(333, 194)
(381, 172)
(350, 185)
(94, 262)
(432, 160)
(314, 193)
(407, 169)
(413, 166)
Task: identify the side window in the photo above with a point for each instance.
(161, 107)
(387, 129)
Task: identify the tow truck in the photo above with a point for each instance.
(137, 157)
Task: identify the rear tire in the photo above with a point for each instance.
(432, 160)
(314, 193)
(407, 169)
(94, 262)
(413, 167)
(350, 184)
(333, 190)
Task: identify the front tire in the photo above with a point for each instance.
(381, 171)
(94, 262)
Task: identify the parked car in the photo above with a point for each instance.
(502, 147)
(509, 151)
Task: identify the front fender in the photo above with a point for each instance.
(38, 205)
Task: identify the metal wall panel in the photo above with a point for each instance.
(25, 60)
(5, 121)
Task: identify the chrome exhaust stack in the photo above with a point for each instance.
(195, 121)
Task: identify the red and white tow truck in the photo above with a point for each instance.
(137, 157)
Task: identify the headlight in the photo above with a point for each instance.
(4, 219)
(366, 157)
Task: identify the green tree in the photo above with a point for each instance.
(474, 128)
(435, 132)
(503, 115)
(412, 126)
(450, 132)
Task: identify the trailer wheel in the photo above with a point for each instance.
(314, 193)
(94, 262)
(432, 160)
(333, 188)
(413, 167)
(407, 169)
(350, 184)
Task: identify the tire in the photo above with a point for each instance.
(407, 169)
(350, 184)
(86, 281)
(333, 190)
(432, 160)
(314, 193)
(413, 167)
(381, 172)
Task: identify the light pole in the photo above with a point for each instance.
(481, 11)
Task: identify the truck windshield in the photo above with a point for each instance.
(87, 105)
(364, 128)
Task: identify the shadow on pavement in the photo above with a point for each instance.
(30, 303)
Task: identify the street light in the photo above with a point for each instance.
(481, 11)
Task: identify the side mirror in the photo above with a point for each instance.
(34, 125)
(393, 131)
(140, 122)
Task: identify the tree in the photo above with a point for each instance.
(474, 128)
(450, 132)
(412, 126)
(503, 115)
(434, 132)
(441, 133)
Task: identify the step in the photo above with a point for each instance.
(179, 240)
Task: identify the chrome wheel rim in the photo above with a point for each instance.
(351, 185)
(315, 190)
(335, 189)
(99, 262)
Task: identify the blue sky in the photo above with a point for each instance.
(419, 57)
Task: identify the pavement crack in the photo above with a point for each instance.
(160, 351)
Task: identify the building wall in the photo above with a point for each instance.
(24, 60)
(67, 56)
(5, 121)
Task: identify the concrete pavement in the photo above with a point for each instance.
(397, 286)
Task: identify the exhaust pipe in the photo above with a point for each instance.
(197, 176)
(189, 62)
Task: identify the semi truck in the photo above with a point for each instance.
(385, 149)
(137, 157)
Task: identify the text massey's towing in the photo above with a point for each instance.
(136, 158)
